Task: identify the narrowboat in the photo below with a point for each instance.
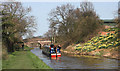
(51, 51)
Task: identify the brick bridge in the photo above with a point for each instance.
(36, 42)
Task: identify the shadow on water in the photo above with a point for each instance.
(68, 62)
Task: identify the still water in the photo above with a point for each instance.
(68, 62)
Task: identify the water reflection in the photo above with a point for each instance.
(55, 58)
(67, 62)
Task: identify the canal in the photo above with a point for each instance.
(68, 62)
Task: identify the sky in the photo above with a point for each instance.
(105, 10)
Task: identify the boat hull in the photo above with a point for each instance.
(55, 55)
(52, 55)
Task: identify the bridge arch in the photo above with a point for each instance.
(37, 43)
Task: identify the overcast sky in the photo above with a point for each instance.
(105, 10)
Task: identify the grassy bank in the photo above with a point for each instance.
(23, 60)
(0, 64)
(105, 45)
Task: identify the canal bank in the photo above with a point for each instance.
(105, 44)
(23, 60)
(107, 53)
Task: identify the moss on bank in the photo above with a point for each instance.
(23, 60)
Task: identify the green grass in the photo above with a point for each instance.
(23, 60)
(0, 64)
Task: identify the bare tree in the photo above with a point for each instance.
(15, 23)
(74, 25)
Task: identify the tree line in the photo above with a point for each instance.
(73, 25)
(15, 22)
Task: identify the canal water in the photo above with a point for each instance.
(68, 62)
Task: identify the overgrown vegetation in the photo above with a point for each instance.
(74, 25)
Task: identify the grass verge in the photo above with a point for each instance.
(0, 64)
(23, 60)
